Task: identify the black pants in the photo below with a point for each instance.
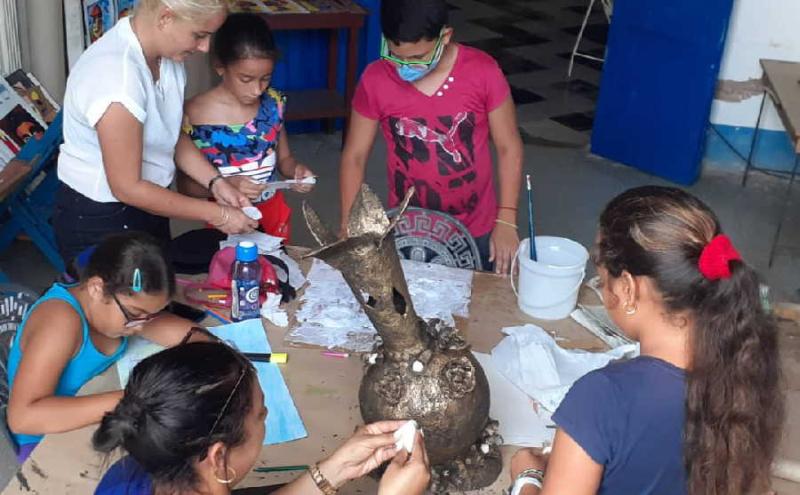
(80, 223)
(483, 243)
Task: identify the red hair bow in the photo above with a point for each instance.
(715, 259)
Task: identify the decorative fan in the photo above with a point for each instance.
(15, 300)
(14, 303)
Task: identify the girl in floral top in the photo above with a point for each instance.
(238, 125)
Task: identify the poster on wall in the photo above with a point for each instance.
(125, 7)
(32, 91)
(99, 16)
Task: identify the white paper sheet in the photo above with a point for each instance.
(522, 422)
(329, 315)
(531, 360)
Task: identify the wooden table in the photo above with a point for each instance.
(325, 391)
(325, 103)
(782, 85)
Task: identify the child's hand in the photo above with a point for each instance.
(300, 173)
(247, 186)
(503, 247)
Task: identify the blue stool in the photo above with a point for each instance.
(30, 206)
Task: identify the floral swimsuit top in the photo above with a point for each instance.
(244, 149)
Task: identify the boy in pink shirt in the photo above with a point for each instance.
(437, 102)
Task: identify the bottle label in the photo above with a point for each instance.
(244, 305)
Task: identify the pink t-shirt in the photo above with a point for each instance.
(439, 144)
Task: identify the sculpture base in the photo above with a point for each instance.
(478, 468)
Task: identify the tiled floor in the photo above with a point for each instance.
(532, 41)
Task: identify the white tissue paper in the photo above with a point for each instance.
(271, 310)
(530, 359)
(265, 242)
(404, 436)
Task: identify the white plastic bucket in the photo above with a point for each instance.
(548, 287)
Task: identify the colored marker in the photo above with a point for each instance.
(338, 355)
(275, 357)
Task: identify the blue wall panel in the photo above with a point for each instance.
(304, 58)
(658, 84)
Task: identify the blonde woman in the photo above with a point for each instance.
(123, 109)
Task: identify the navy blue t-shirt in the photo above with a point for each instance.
(629, 418)
(125, 477)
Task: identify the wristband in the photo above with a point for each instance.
(522, 482)
(213, 180)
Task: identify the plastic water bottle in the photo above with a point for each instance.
(245, 283)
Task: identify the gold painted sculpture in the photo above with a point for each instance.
(420, 370)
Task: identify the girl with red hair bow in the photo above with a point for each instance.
(700, 410)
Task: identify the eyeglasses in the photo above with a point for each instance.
(386, 54)
(130, 320)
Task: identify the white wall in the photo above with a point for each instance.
(758, 29)
(42, 43)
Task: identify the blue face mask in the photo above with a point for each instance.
(411, 73)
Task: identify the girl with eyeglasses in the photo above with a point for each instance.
(192, 422)
(75, 332)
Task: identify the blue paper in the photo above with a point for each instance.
(283, 420)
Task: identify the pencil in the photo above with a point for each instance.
(277, 469)
(217, 316)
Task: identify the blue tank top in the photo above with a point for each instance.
(85, 365)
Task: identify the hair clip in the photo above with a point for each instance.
(137, 281)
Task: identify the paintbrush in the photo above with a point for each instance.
(531, 229)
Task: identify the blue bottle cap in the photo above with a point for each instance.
(246, 251)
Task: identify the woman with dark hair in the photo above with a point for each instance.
(192, 421)
(700, 411)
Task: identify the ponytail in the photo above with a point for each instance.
(734, 407)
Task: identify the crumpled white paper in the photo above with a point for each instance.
(272, 311)
(531, 360)
(329, 315)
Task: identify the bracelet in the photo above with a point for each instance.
(522, 482)
(506, 208)
(532, 473)
(507, 224)
(322, 483)
(225, 216)
(213, 180)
